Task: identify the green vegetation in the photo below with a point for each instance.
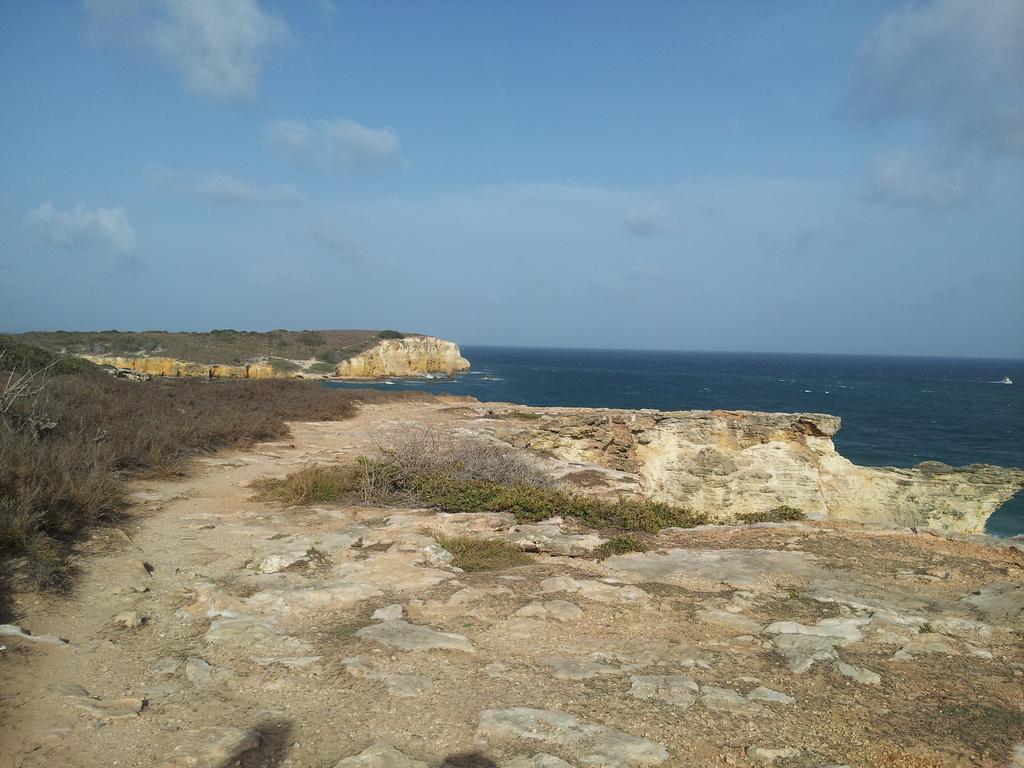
(620, 545)
(68, 442)
(16, 356)
(321, 367)
(429, 470)
(311, 485)
(482, 554)
(778, 514)
(390, 335)
(226, 346)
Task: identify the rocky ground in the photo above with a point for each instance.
(214, 630)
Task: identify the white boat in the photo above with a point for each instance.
(1006, 380)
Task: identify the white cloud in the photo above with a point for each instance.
(907, 179)
(645, 220)
(223, 188)
(957, 66)
(339, 144)
(84, 227)
(216, 46)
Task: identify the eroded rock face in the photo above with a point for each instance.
(731, 463)
(405, 357)
(169, 366)
(409, 356)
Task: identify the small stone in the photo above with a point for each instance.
(678, 690)
(393, 611)
(129, 620)
(404, 636)
(13, 630)
(597, 745)
(168, 665)
(577, 669)
(201, 673)
(380, 756)
(859, 674)
(211, 747)
(726, 700)
(139, 576)
(540, 760)
(109, 709)
(767, 694)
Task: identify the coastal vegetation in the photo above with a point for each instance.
(472, 554)
(70, 435)
(779, 514)
(223, 346)
(426, 468)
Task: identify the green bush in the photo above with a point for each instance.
(778, 514)
(390, 335)
(15, 356)
(321, 367)
(482, 554)
(381, 482)
(620, 545)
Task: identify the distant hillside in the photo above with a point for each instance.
(228, 347)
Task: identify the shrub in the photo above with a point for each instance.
(429, 469)
(390, 335)
(15, 356)
(311, 485)
(620, 545)
(58, 480)
(472, 554)
(777, 514)
(311, 339)
(320, 367)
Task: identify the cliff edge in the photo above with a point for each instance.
(408, 356)
(734, 463)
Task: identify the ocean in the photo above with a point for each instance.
(896, 411)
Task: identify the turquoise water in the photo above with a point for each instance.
(895, 411)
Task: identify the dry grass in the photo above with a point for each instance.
(65, 453)
(482, 554)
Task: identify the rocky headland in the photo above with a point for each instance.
(217, 629)
(733, 463)
(230, 354)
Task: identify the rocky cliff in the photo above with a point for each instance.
(731, 463)
(409, 356)
(168, 366)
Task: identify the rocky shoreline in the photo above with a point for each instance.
(215, 629)
(729, 463)
(411, 355)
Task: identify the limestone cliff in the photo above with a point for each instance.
(408, 356)
(168, 366)
(729, 463)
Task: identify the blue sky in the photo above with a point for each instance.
(776, 176)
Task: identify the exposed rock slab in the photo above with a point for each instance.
(210, 747)
(597, 746)
(380, 756)
(729, 463)
(400, 634)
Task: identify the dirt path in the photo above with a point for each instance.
(797, 645)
